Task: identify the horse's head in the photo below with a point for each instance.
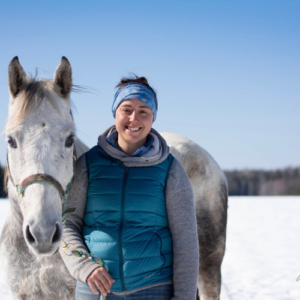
(40, 132)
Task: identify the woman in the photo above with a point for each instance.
(134, 209)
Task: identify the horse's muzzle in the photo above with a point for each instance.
(43, 240)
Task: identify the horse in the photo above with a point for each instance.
(42, 141)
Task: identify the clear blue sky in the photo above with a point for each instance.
(227, 73)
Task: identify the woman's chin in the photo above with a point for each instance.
(133, 136)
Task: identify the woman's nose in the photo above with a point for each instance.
(133, 116)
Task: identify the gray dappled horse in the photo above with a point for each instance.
(41, 143)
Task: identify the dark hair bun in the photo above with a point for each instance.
(133, 78)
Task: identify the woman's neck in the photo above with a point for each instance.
(129, 149)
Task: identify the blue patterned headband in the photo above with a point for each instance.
(137, 91)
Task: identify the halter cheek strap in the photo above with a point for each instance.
(37, 178)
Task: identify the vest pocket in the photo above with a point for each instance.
(158, 272)
(160, 251)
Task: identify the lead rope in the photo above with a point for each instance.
(69, 250)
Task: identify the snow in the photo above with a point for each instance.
(4, 290)
(262, 259)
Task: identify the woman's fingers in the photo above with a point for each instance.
(108, 278)
(92, 286)
(103, 281)
(101, 288)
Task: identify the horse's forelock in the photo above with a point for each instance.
(30, 98)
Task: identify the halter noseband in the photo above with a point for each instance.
(36, 178)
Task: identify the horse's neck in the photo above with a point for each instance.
(80, 147)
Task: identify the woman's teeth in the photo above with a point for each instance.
(133, 129)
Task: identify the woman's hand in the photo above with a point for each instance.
(101, 278)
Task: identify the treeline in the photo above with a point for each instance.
(263, 183)
(2, 193)
(244, 182)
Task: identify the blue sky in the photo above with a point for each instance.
(227, 73)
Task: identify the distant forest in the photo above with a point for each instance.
(245, 182)
(263, 183)
(2, 193)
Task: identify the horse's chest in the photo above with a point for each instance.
(32, 278)
(47, 282)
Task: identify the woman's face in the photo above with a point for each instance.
(133, 122)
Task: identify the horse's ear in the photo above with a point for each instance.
(63, 78)
(16, 77)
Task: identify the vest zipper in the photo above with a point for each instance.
(121, 258)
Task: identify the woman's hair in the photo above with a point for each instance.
(134, 78)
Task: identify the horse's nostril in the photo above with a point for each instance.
(30, 238)
(57, 235)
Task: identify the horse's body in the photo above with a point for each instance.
(40, 126)
(210, 193)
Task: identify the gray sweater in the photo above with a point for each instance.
(180, 210)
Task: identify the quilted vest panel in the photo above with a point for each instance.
(126, 221)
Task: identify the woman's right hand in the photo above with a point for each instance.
(101, 279)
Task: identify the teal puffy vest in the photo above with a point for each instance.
(126, 222)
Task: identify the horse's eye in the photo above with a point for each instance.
(11, 142)
(69, 141)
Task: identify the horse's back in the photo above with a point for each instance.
(203, 171)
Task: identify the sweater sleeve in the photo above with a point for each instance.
(183, 227)
(79, 268)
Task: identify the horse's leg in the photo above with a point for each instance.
(211, 223)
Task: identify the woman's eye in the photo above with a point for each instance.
(11, 143)
(127, 111)
(69, 141)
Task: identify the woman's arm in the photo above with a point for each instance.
(82, 269)
(183, 226)
(79, 268)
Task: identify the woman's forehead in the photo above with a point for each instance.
(134, 103)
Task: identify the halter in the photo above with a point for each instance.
(36, 178)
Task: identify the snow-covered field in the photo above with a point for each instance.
(262, 259)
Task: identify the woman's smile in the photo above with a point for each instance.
(133, 128)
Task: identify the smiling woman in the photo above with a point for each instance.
(130, 192)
